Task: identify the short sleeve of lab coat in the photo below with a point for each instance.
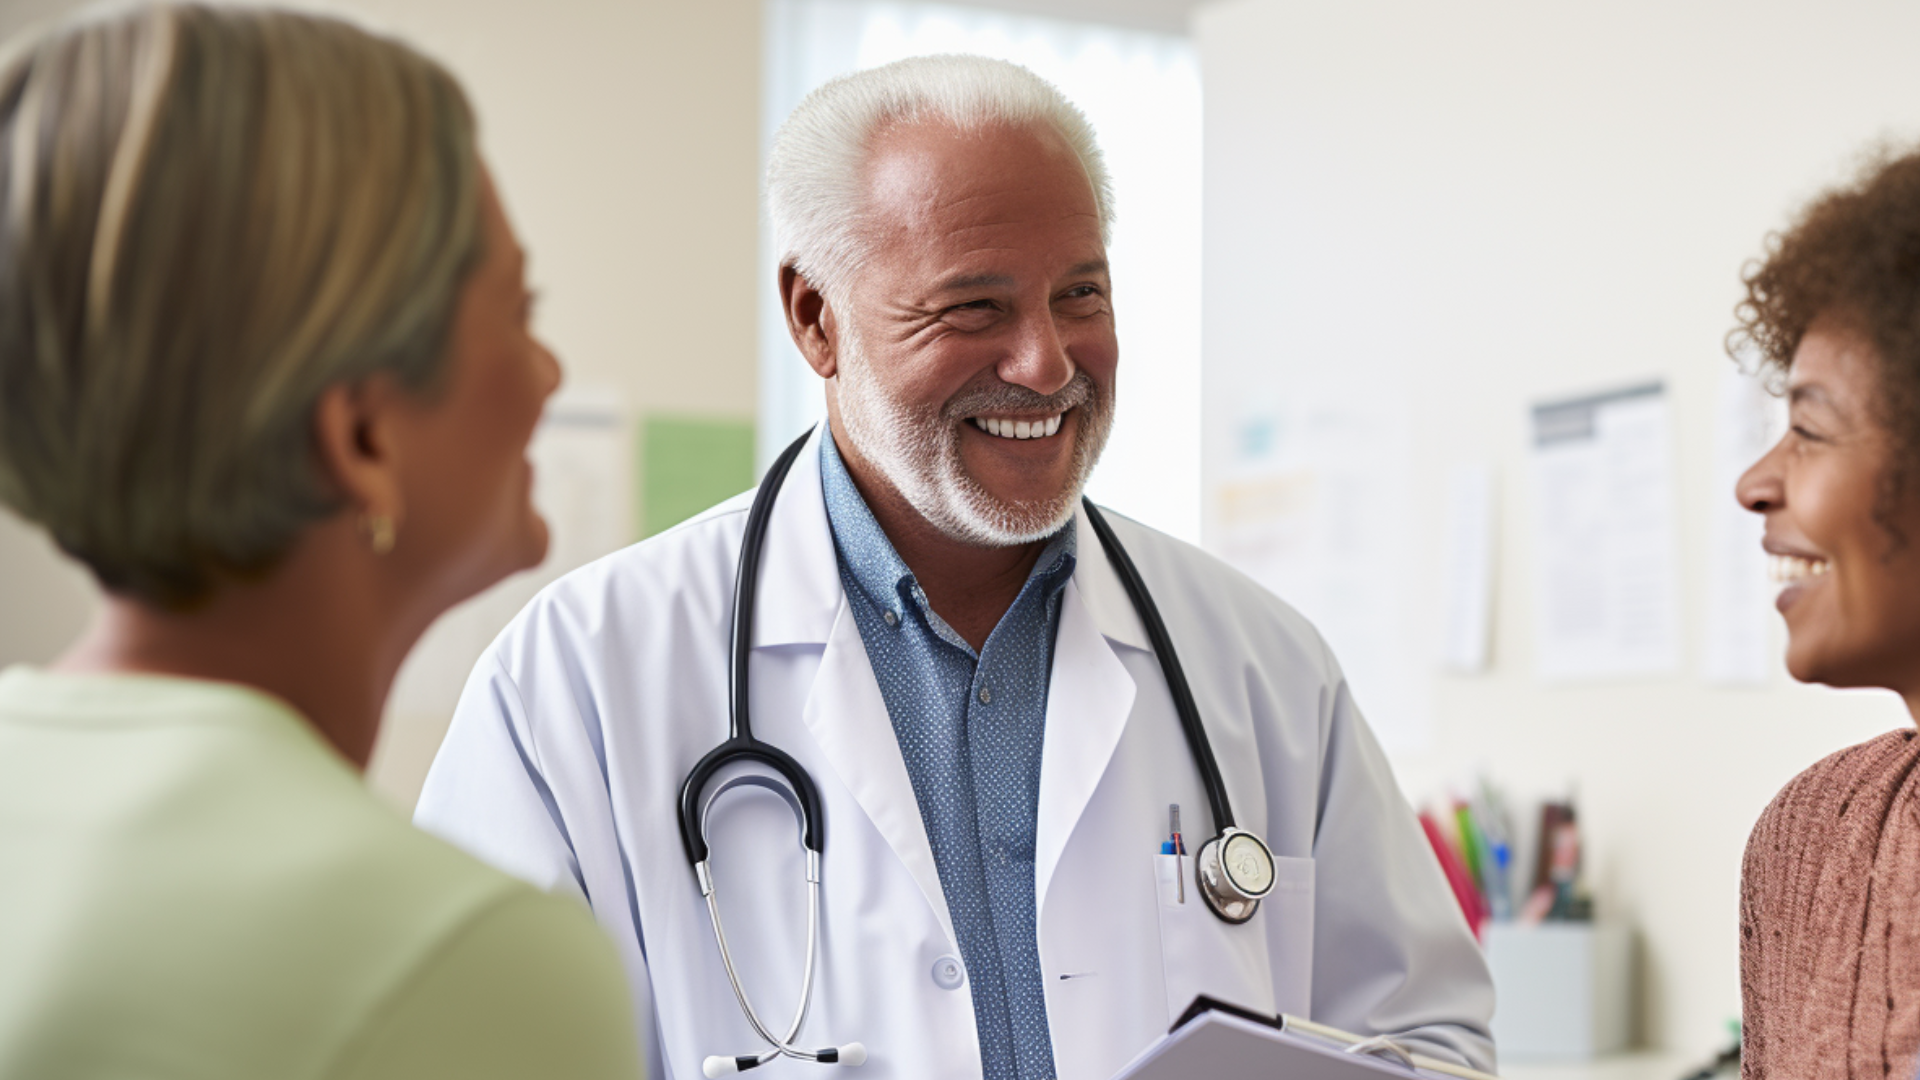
(485, 793)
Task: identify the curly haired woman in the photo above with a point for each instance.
(1830, 896)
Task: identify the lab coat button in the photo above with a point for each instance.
(948, 973)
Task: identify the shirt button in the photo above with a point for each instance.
(892, 619)
(986, 695)
(948, 973)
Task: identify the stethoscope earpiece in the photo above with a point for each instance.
(716, 1067)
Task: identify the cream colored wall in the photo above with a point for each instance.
(625, 140)
(1493, 201)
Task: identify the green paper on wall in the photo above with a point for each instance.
(688, 464)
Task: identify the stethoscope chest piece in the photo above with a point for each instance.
(1234, 871)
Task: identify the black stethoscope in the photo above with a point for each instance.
(1233, 870)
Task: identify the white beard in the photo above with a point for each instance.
(917, 449)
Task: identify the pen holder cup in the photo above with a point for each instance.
(1563, 990)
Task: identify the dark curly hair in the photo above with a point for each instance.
(1851, 260)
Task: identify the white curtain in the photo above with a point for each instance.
(1142, 93)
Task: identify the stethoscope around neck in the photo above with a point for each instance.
(1234, 870)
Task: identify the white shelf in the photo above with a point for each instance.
(1639, 1065)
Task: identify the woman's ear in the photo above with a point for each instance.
(354, 438)
(810, 320)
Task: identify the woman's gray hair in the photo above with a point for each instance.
(816, 173)
(208, 216)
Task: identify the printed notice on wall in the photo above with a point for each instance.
(1466, 584)
(1606, 601)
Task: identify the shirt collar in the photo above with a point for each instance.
(870, 559)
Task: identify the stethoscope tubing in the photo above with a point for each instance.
(1176, 676)
(740, 744)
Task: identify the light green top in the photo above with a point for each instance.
(194, 884)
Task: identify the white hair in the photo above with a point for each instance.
(815, 173)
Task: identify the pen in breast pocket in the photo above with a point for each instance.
(1179, 854)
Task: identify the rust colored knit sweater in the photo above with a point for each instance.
(1830, 920)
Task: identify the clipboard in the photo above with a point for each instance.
(1226, 1042)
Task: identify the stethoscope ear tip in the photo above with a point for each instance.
(853, 1054)
(716, 1067)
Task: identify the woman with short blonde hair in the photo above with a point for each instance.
(266, 370)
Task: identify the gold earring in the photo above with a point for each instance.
(380, 532)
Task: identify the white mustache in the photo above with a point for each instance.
(1005, 397)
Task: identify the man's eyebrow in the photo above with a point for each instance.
(974, 281)
(1095, 266)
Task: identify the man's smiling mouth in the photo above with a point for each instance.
(1010, 428)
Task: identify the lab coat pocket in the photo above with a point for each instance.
(1201, 953)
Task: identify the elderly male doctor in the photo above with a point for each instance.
(940, 641)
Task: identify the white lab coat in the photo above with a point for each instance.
(567, 752)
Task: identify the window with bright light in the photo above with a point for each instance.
(1142, 93)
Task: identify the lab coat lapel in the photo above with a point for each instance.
(1089, 698)
(802, 603)
(849, 718)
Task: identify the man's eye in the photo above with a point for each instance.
(972, 315)
(1082, 299)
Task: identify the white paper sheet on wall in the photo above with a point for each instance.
(582, 459)
(1606, 600)
(1739, 613)
(1314, 508)
(1467, 568)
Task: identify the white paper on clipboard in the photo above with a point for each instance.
(1221, 1046)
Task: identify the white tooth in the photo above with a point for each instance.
(1053, 425)
(1006, 429)
(1022, 429)
(992, 425)
(1787, 569)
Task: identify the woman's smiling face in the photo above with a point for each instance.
(1845, 545)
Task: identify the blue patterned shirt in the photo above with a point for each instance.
(970, 730)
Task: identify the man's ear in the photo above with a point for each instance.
(358, 452)
(810, 321)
